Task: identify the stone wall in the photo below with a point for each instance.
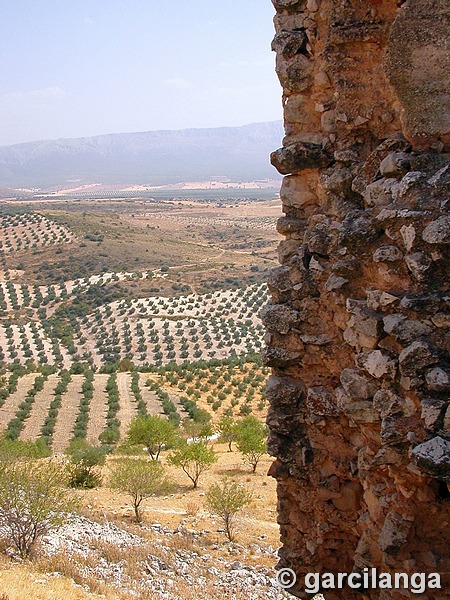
(357, 331)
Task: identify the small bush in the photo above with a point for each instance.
(140, 479)
(33, 500)
(225, 499)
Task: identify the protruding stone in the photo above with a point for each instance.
(433, 410)
(379, 364)
(379, 193)
(416, 357)
(279, 318)
(357, 385)
(289, 225)
(395, 164)
(296, 193)
(280, 357)
(433, 457)
(296, 157)
(286, 249)
(361, 411)
(387, 254)
(403, 329)
(418, 263)
(438, 379)
(294, 73)
(387, 403)
(395, 429)
(438, 232)
(367, 322)
(288, 5)
(282, 391)
(320, 401)
(289, 43)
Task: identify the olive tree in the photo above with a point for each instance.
(153, 432)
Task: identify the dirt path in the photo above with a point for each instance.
(9, 409)
(98, 409)
(67, 414)
(150, 398)
(39, 410)
(128, 404)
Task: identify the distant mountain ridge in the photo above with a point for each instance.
(152, 157)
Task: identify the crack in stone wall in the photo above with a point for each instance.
(357, 330)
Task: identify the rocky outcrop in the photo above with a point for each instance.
(357, 332)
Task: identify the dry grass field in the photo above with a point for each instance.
(177, 531)
(147, 235)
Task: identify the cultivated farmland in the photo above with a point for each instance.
(27, 232)
(83, 355)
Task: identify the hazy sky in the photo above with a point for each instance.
(72, 68)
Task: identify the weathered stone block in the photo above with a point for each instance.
(388, 403)
(320, 401)
(433, 457)
(279, 318)
(438, 232)
(289, 5)
(357, 385)
(379, 193)
(415, 358)
(357, 230)
(296, 192)
(296, 157)
(394, 533)
(280, 357)
(367, 322)
(403, 329)
(395, 164)
(433, 410)
(290, 226)
(387, 254)
(289, 43)
(380, 364)
(395, 429)
(285, 391)
(438, 379)
(418, 263)
(294, 73)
